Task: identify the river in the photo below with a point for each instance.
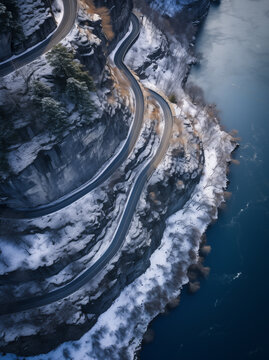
(229, 317)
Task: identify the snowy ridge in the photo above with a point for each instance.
(32, 14)
(119, 331)
(68, 225)
(158, 61)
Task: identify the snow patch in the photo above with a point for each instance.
(30, 28)
(120, 329)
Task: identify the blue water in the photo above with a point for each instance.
(229, 317)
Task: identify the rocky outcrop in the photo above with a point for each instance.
(190, 10)
(69, 163)
(196, 10)
(51, 167)
(32, 38)
(24, 25)
(5, 45)
(97, 15)
(119, 12)
(192, 172)
(133, 259)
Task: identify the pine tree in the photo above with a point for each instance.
(64, 66)
(53, 112)
(75, 89)
(61, 61)
(173, 98)
(78, 93)
(39, 91)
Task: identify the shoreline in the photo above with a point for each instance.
(195, 247)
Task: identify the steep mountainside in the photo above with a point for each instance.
(44, 157)
(24, 24)
(192, 9)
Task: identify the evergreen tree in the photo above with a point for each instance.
(64, 66)
(79, 94)
(39, 91)
(173, 98)
(54, 113)
(61, 61)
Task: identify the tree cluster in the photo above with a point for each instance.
(72, 78)
(53, 112)
(50, 102)
(65, 66)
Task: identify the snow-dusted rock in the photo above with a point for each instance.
(45, 166)
(175, 208)
(29, 22)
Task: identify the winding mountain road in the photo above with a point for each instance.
(30, 213)
(133, 198)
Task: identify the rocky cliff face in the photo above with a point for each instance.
(5, 44)
(175, 207)
(109, 21)
(101, 210)
(24, 24)
(69, 163)
(192, 10)
(119, 12)
(43, 166)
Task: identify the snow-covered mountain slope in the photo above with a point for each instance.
(158, 60)
(119, 330)
(177, 204)
(43, 159)
(24, 24)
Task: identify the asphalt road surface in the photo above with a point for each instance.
(30, 213)
(130, 206)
